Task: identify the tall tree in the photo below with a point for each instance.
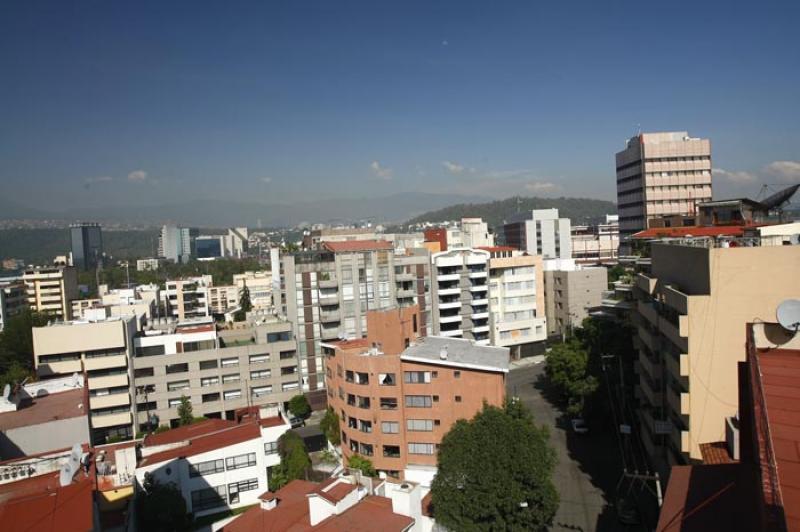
(330, 426)
(294, 460)
(567, 367)
(494, 473)
(16, 340)
(185, 411)
(298, 405)
(161, 507)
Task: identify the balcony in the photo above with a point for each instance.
(450, 319)
(648, 312)
(449, 291)
(328, 299)
(328, 283)
(449, 305)
(109, 381)
(676, 299)
(106, 401)
(649, 340)
(678, 401)
(480, 329)
(676, 335)
(406, 293)
(454, 333)
(405, 277)
(479, 301)
(448, 277)
(479, 288)
(645, 284)
(332, 316)
(651, 390)
(115, 361)
(478, 275)
(480, 316)
(66, 367)
(111, 420)
(331, 333)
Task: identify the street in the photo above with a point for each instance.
(588, 466)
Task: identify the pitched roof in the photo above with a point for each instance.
(189, 431)
(41, 504)
(333, 491)
(206, 442)
(349, 246)
(716, 453)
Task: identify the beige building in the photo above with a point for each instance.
(660, 174)
(221, 299)
(51, 289)
(102, 349)
(259, 284)
(188, 298)
(516, 301)
(596, 244)
(13, 300)
(692, 314)
(571, 291)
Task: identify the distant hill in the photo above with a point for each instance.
(579, 210)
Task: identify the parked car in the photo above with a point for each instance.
(579, 426)
(296, 422)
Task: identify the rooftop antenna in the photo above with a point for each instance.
(788, 314)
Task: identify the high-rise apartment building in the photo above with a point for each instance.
(50, 290)
(516, 301)
(188, 298)
(13, 300)
(475, 233)
(460, 293)
(660, 174)
(571, 291)
(597, 243)
(327, 293)
(397, 395)
(177, 243)
(87, 245)
(102, 349)
(692, 313)
(539, 232)
(259, 285)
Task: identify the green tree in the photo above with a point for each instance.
(494, 473)
(364, 465)
(294, 460)
(298, 405)
(330, 426)
(185, 415)
(567, 369)
(14, 374)
(16, 340)
(161, 507)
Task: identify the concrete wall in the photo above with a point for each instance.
(44, 437)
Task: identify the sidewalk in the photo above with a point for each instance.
(524, 362)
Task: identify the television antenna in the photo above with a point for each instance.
(788, 314)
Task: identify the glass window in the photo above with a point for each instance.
(228, 362)
(390, 427)
(233, 394)
(177, 385)
(260, 391)
(238, 462)
(387, 379)
(206, 468)
(208, 498)
(282, 336)
(413, 377)
(421, 448)
(208, 364)
(271, 447)
(419, 425)
(236, 487)
(259, 359)
(418, 401)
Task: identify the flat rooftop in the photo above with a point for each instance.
(53, 407)
(457, 352)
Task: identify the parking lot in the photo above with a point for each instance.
(589, 465)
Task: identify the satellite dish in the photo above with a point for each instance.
(7, 391)
(69, 469)
(789, 314)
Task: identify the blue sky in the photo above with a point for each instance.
(152, 102)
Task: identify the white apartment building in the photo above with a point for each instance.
(51, 289)
(540, 232)
(596, 244)
(661, 174)
(259, 284)
(460, 295)
(474, 234)
(13, 300)
(102, 349)
(216, 464)
(148, 265)
(139, 302)
(177, 243)
(516, 301)
(222, 299)
(188, 298)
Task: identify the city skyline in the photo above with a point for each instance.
(149, 104)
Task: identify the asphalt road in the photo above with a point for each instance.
(588, 466)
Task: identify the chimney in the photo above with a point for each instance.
(443, 353)
(268, 501)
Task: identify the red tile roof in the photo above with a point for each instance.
(349, 246)
(205, 443)
(695, 231)
(53, 407)
(274, 421)
(716, 453)
(780, 379)
(291, 514)
(194, 430)
(334, 492)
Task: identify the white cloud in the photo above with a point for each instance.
(266, 180)
(456, 168)
(380, 172)
(735, 177)
(137, 176)
(541, 186)
(785, 170)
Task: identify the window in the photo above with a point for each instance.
(288, 386)
(349, 376)
(209, 381)
(457, 374)
(143, 372)
(174, 402)
(389, 403)
(259, 359)
(365, 426)
(206, 468)
(230, 362)
(260, 391)
(391, 451)
(230, 377)
(177, 385)
(283, 336)
(233, 394)
(419, 425)
(271, 447)
(363, 402)
(458, 398)
(208, 364)
(208, 498)
(289, 370)
(260, 374)
(365, 449)
(414, 377)
(287, 355)
(243, 460)
(202, 345)
(390, 427)
(387, 379)
(421, 448)
(236, 487)
(418, 401)
(149, 350)
(210, 397)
